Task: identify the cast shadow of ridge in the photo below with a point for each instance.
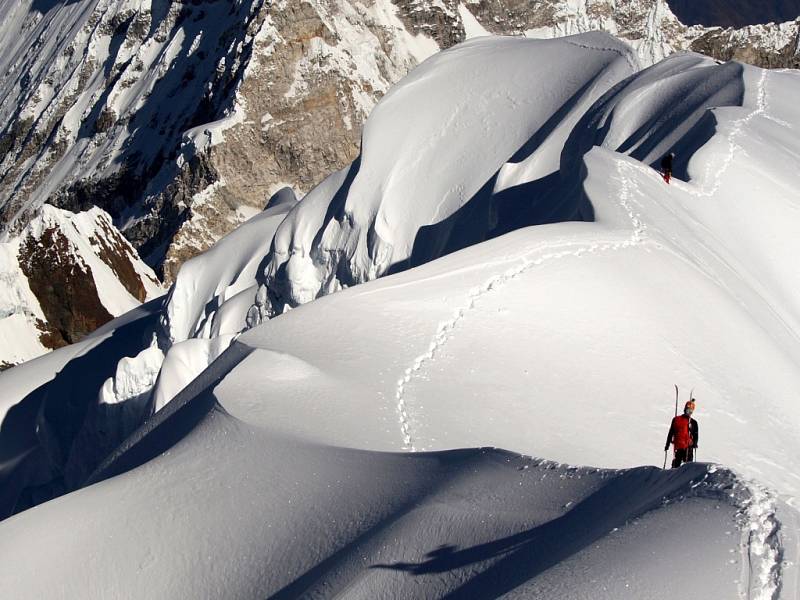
(518, 558)
(456, 463)
(50, 423)
(173, 422)
(488, 215)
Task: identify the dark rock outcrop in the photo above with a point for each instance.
(64, 287)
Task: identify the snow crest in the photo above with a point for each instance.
(393, 208)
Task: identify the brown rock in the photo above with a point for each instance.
(64, 287)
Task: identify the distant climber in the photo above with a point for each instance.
(683, 435)
(666, 166)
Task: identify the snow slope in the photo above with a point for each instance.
(690, 283)
(238, 511)
(366, 220)
(570, 293)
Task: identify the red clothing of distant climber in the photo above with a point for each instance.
(683, 434)
(680, 432)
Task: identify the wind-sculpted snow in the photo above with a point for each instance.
(422, 186)
(205, 283)
(669, 283)
(209, 302)
(239, 509)
(328, 442)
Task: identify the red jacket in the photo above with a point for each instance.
(683, 432)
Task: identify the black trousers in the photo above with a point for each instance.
(682, 455)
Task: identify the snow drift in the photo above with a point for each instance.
(429, 148)
(237, 510)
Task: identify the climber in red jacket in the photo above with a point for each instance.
(683, 435)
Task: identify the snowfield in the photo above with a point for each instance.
(251, 514)
(511, 273)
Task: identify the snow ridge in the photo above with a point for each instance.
(761, 547)
(765, 556)
(446, 329)
(628, 56)
(738, 129)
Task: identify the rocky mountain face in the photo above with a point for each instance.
(181, 118)
(64, 276)
(770, 46)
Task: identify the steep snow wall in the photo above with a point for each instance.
(405, 201)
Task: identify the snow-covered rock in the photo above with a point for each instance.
(65, 275)
(651, 26)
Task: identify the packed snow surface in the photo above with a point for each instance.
(546, 306)
(242, 512)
